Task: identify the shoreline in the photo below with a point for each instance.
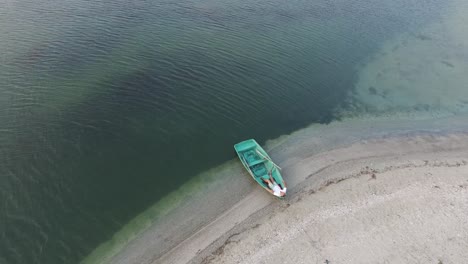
(311, 158)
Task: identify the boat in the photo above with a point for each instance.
(260, 166)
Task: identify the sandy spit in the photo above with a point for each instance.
(390, 199)
(349, 183)
(394, 200)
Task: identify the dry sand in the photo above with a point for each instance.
(382, 201)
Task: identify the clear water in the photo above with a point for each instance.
(107, 106)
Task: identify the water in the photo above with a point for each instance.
(107, 106)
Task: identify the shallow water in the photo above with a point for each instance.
(106, 107)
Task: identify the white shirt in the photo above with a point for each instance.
(277, 190)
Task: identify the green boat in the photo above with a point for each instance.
(260, 166)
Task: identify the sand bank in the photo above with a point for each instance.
(394, 200)
(333, 195)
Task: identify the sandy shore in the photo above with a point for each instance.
(359, 191)
(396, 200)
(393, 197)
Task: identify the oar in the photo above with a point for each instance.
(265, 157)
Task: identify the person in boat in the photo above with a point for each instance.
(275, 188)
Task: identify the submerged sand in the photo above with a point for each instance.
(421, 70)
